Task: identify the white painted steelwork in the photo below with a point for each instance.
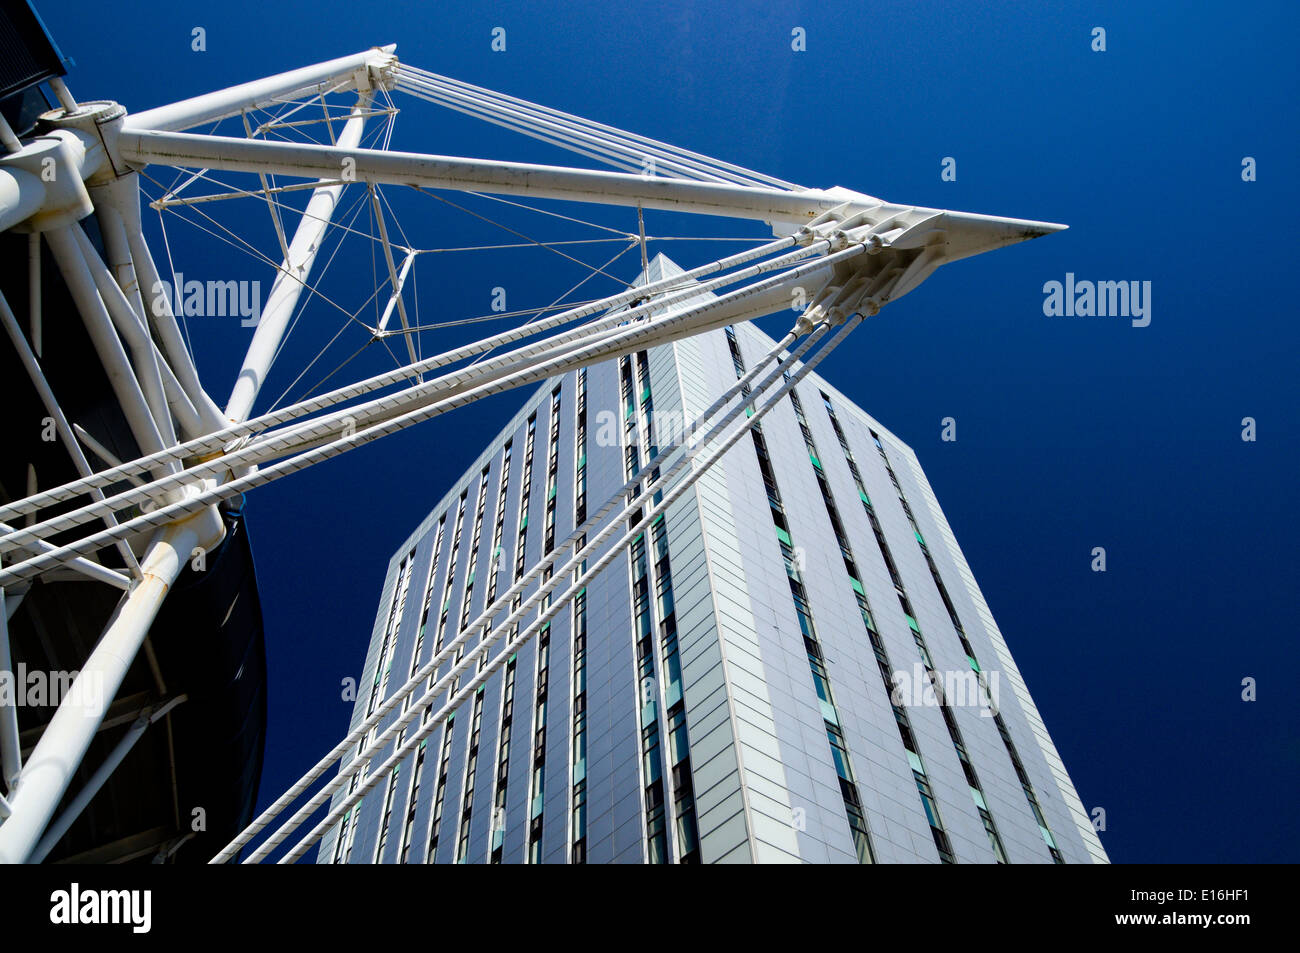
(854, 251)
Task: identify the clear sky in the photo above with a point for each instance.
(1072, 432)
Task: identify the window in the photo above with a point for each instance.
(440, 793)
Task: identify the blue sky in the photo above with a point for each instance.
(1071, 432)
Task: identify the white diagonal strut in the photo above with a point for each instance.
(506, 367)
(220, 438)
(343, 431)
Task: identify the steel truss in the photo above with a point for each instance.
(853, 252)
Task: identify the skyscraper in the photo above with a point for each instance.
(794, 663)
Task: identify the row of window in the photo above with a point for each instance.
(656, 649)
(1005, 735)
(471, 571)
(452, 556)
(346, 837)
(471, 771)
(417, 773)
(578, 737)
(857, 817)
(679, 748)
(476, 720)
(506, 735)
(506, 720)
(901, 717)
(537, 799)
(448, 728)
(440, 792)
(499, 525)
(497, 842)
(429, 590)
(385, 664)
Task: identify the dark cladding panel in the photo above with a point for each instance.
(27, 54)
